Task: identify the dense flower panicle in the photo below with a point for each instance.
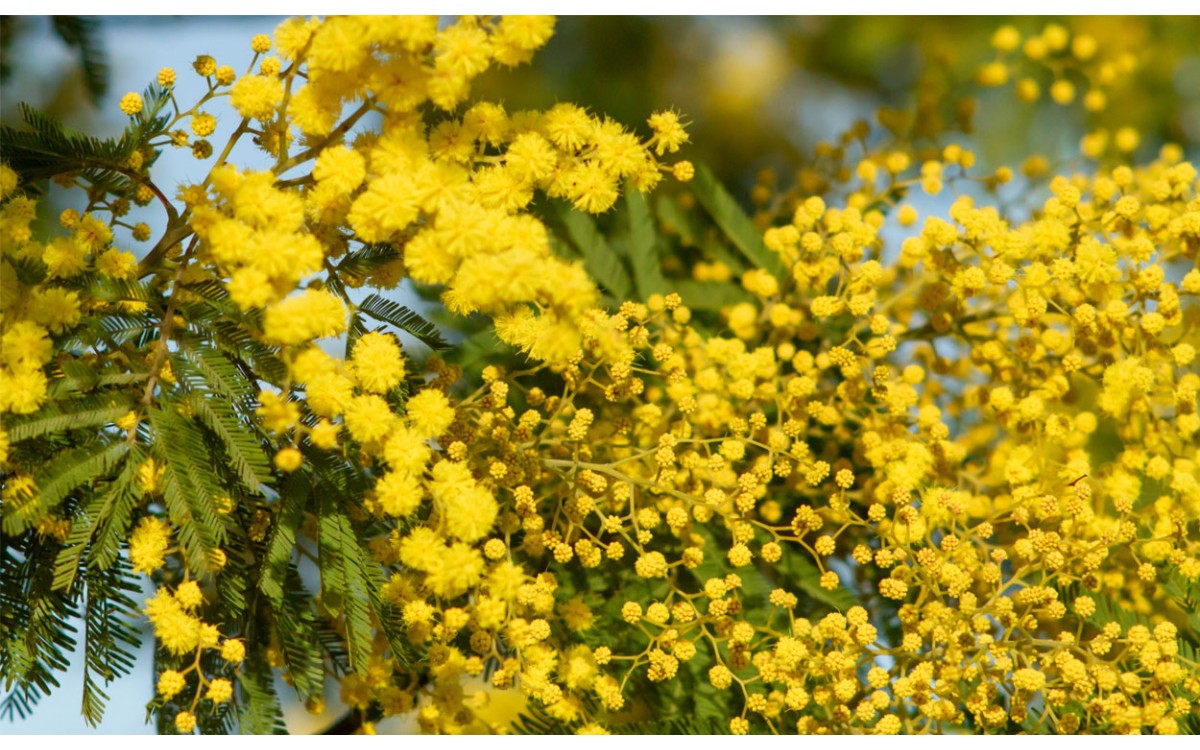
(901, 482)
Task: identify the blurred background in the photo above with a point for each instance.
(760, 93)
(791, 81)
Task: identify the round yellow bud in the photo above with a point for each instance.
(131, 104)
(1062, 92)
(288, 459)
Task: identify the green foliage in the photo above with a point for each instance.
(108, 513)
(189, 486)
(710, 296)
(1110, 610)
(734, 222)
(48, 148)
(601, 262)
(534, 720)
(259, 708)
(282, 542)
(387, 311)
(64, 473)
(36, 625)
(83, 34)
(644, 246)
(296, 629)
(110, 636)
(75, 413)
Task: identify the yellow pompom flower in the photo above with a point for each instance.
(455, 570)
(178, 631)
(312, 314)
(148, 545)
(188, 595)
(399, 494)
(205, 65)
(368, 418)
(288, 459)
(430, 412)
(8, 181)
(256, 96)
(233, 651)
(377, 363)
(185, 722)
(669, 132)
(342, 168)
(468, 510)
(170, 684)
(219, 690)
(131, 104)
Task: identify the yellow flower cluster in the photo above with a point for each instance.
(33, 312)
(1057, 52)
(900, 486)
(1055, 60)
(253, 234)
(451, 199)
(181, 631)
(743, 453)
(832, 427)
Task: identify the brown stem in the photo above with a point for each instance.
(168, 326)
(335, 134)
(176, 232)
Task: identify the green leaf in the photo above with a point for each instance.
(282, 542)
(296, 632)
(643, 246)
(387, 311)
(189, 486)
(801, 571)
(362, 262)
(78, 377)
(678, 221)
(345, 581)
(109, 634)
(734, 222)
(711, 295)
(247, 456)
(121, 497)
(104, 507)
(36, 624)
(599, 259)
(70, 414)
(237, 344)
(260, 711)
(48, 148)
(83, 33)
(54, 481)
(217, 372)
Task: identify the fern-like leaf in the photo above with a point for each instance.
(59, 416)
(734, 222)
(83, 34)
(282, 541)
(601, 262)
(61, 476)
(189, 486)
(108, 634)
(643, 246)
(387, 311)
